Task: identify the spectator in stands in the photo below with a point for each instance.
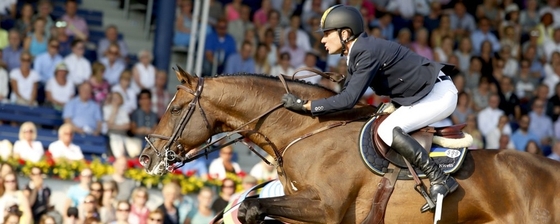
(59, 90)
(226, 191)
(63, 147)
(489, 9)
(45, 63)
(195, 168)
(272, 48)
(27, 148)
(100, 86)
(555, 155)
(138, 210)
(126, 185)
(509, 102)
(78, 192)
(529, 16)
(552, 45)
(216, 11)
(463, 109)
(143, 120)
(112, 37)
(482, 34)
(284, 67)
(38, 193)
(464, 53)
(117, 122)
(461, 21)
(261, 59)
(183, 24)
(79, 68)
(526, 83)
(404, 37)
(541, 124)
(523, 135)
(12, 196)
(89, 209)
(126, 91)
(251, 37)
(488, 117)
(76, 25)
(310, 62)
(202, 212)
(25, 22)
(302, 37)
(83, 113)
(96, 189)
(495, 135)
(160, 96)
(286, 9)
(11, 54)
(238, 28)
(24, 82)
(261, 15)
(143, 73)
(44, 9)
(297, 54)
(263, 171)
(481, 94)
(170, 193)
(156, 217)
(420, 44)
(219, 46)
(383, 22)
(241, 62)
(533, 148)
(114, 65)
(65, 41)
(36, 41)
(108, 202)
(4, 85)
(233, 10)
(122, 213)
(222, 165)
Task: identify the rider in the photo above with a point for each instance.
(422, 93)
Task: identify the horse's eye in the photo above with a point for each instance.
(175, 110)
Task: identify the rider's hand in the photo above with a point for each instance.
(294, 103)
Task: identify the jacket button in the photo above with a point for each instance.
(400, 79)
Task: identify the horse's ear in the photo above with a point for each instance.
(183, 76)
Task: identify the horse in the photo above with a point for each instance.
(324, 177)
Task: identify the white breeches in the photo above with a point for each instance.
(436, 106)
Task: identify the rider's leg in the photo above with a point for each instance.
(435, 106)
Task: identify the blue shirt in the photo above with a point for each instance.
(541, 125)
(45, 65)
(82, 114)
(387, 31)
(221, 47)
(521, 139)
(478, 37)
(77, 195)
(236, 64)
(11, 57)
(198, 167)
(113, 73)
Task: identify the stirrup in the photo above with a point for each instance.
(427, 207)
(430, 204)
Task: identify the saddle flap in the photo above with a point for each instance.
(382, 148)
(453, 131)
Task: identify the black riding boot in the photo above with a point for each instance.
(412, 151)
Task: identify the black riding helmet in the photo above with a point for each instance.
(339, 17)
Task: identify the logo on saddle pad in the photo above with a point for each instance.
(452, 153)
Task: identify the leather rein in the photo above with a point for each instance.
(174, 160)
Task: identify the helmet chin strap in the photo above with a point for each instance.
(343, 42)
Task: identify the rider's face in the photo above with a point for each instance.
(331, 41)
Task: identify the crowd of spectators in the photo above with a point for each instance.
(507, 55)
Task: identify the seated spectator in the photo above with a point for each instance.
(59, 89)
(5, 149)
(309, 62)
(24, 82)
(65, 41)
(138, 210)
(24, 24)
(170, 193)
(83, 113)
(114, 65)
(222, 165)
(494, 136)
(112, 37)
(202, 213)
(36, 42)
(160, 96)
(127, 92)
(263, 171)
(533, 148)
(76, 25)
(156, 217)
(63, 147)
(99, 84)
(27, 148)
(122, 213)
(45, 63)
(44, 10)
(297, 54)
(12, 196)
(226, 191)
(302, 38)
(525, 85)
(541, 124)
(444, 29)
(195, 168)
(11, 54)
(241, 62)
(78, 192)
(484, 34)
(463, 109)
(143, 120)
(117, 122)
(462, 22)
(143, 72)
(96, 189)
(219, 46)
(4, 85)
(489, 117)
(126, 185)
(404, 37)
(79, 68)
(261, 60)
(238, 28)
(523, 135)
(108, 202)
(183, 24)
(272, 48)
(443, 52)
(420, 44)
(89, 210)
(481, 94)
(284, 67)
(38, 193)
(464, 53)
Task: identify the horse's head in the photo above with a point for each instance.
(183, 127)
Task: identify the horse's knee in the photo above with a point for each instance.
(250, 212)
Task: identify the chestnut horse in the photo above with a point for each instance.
(324, 178)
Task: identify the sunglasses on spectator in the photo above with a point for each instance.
(36, 174)
(123, 210)
(96, 189)
(9, 181)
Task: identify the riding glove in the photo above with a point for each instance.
(293, 102)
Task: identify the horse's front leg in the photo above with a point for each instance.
(303, 206)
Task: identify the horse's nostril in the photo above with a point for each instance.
(144, 160)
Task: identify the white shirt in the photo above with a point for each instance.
(217, 169)
(493, 137)
(79, 69)
(4, 83)
(129, 97)
(302, 38)
(549, 48)
(147, 77)
(24, 85)
(488, 119)
(550, 79)
(71, 152)
(121, 117)
(27, 152)
(313, 79)
(60, 93)
(278, 70)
